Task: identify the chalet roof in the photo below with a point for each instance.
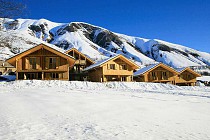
(87, 57)
(48, 45)
(152, 66)
(145, 69)
(99, 63)
(4, 64)
(180, 70)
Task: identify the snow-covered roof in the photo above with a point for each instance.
(180, 69)
(48, 45)
(203, 78)
(97, 64)
(145, 69)
(84, 55)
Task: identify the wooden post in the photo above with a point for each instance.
(17, 69)
(16, 75)
(24, 76)
(16, 63)
(68, 71)
(146, 78)
(42, 75)
(131, 78)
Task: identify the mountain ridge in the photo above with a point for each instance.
(96, 42)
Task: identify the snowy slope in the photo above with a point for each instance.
(98, 43)
(13, 42)
(62, 110)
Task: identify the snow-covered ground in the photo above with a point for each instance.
(204, 78)
(109, 111)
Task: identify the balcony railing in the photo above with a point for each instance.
(80, 62)
(60, 68)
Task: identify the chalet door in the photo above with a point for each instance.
(31, 76)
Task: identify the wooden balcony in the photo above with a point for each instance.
(80, 62)
(62, 68)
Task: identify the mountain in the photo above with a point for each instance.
(96, 42)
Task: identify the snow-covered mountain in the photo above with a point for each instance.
(96, 42)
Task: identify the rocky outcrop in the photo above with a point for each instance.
(97, 41)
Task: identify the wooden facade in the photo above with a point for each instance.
(186, 77)
(81, 62)
(48, 63)
(161, 73)
(42, 62)
(157, 73)
(5, 67)
(117, 68)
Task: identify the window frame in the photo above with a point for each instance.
(32, 63)
(55, 75)
(164, 75)
(124, 78)
(112, 66)
(52, 65)
(154, 77)
(124, 67)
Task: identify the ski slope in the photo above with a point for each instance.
(31, 110)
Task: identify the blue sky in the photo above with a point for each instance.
(185, 22)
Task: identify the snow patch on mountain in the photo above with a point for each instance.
(96, 42)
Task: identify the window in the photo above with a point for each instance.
(49, 75)
(124, 66)
(52, 62)
(153, 75)
(32, 62)
(54, 75)
(71, 53)
(189, 76)
(77, 69)
(112, 66)
(76, 56)
(164, 75)
(123, 78)
(31, 76)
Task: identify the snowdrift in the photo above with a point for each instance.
(140, 87)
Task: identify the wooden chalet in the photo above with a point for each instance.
(81, 62)
(186, 77)
(5, 67)
(117, 68)
(42, 62)
(158, 73)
